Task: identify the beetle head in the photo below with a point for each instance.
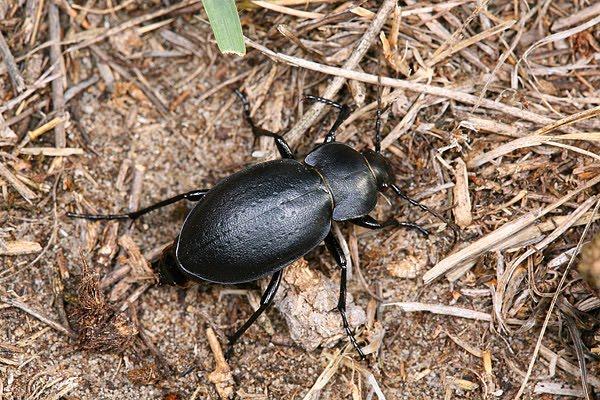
(381, 168)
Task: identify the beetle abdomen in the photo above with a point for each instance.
(255, 222)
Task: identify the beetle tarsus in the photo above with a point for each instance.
(229, 351)
(411, 225)
(336, 250)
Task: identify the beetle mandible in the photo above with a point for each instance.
(266, 216)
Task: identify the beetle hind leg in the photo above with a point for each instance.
(265, 301)
(336, 250)
(194, 195)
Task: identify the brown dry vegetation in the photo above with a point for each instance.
(490, 117)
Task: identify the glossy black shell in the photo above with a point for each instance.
(349, 177)
(255, 222)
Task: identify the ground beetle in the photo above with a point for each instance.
(264, 217)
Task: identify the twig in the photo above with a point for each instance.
(136, 186)
(315, 112)
(7, 135)
(39, 131)
(20, 187)
(579, 16)
(152, 94)
(218, 87)
(19, 248)
(221, 377)
(328, 372)
(468, 42)
(539, 137)
(16, 79)
(38, 315)
(567, 366)
(66, 7)
(462, 199)
(287, 10)
(134, 296)
(110, 10)
(36, 24)
(440, 309)
(52, 151)
(557, 388)
(58, 99)
(40, 83)
(80, 87)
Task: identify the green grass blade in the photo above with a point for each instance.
(225, 24)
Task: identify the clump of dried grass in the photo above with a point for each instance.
(98, 325)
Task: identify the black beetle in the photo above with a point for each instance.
(262, 218)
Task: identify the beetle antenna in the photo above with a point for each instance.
(378, 118)
(378, 127)
(452, 225)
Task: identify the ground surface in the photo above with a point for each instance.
(137, 153)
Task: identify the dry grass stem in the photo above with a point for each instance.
(13, 70)
(20, 187)
(462, 206)
(19, 248)
(440, 309)
(52, 151)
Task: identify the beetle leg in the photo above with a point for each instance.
(194, 195)
(336, 250)
(369, 222)
(342, 116)
(265, 301)
(282, 146)
(404, 196)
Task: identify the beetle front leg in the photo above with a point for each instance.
(371, 223)
(455, 228)
(265, 301)
(284, 149)
(336, 250)
(194, 195)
